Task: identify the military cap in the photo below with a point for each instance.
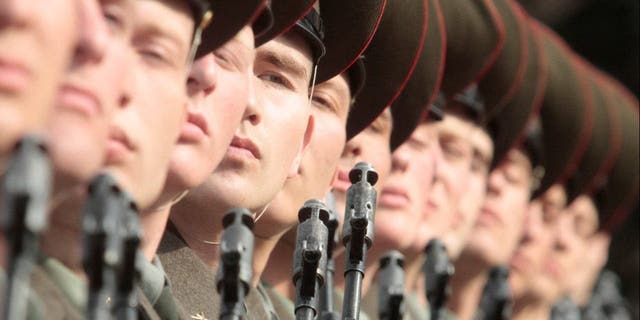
(475, 36)
(422, 88)
(503, 79)
(389, 60)
(508, 127)
(299, 14)
(472, 102)
(615, 199)
(349, 26)
(566, 113)
(605, 141)
(227, 18)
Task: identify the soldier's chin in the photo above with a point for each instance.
(75, 163)
(12, 128)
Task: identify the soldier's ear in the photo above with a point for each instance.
(599, 244)
(294, 170)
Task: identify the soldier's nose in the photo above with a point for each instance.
(352, 149)
(94, 34)
(203, 76)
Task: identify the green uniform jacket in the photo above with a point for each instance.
(282, 306)
(194, 284)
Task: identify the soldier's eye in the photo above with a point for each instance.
(114, 17)
(275, 79)
(323, 102)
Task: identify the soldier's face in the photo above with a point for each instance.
(474, 194)
(579, 251)
(404, 194)
(90, 92)
(330, 107)
(499, 225)
(220, 87)
(146, 127)
(452, 171)
(531, 277)
(37, 41)
(266, 148)
(370, 145)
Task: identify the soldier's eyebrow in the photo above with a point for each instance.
(165, 35)
(286, 63)
(482, 156)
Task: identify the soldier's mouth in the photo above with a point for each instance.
(342, 183)
(14, 77)
(119, 145)
(79, 99)
(393, 197)
(244, 146)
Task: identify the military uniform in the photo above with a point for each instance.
(34, 303)
(282, 306)
(155, 293)
(194, 283)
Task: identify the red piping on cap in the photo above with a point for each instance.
(496, 51)
(415, 58)
(615, 134)
(369, 39)
(587, 128)
(541, 88)
(622, 210)
(585, 134)
(524, 56)
(257, 13)
(443, 54)
(284, 31)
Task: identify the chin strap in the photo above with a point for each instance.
(207, 17)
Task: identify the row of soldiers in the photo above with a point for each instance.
(397, 159)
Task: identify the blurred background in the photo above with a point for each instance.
(605, 32)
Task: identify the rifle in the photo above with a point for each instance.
(102, 245)
(391, 286)
(495, 303)
(437, 270)
(358, 233)
(310, 258)
(126, 301)
(325, 300)
(236, 263)
(25, 193)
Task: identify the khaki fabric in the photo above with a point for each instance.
(193, 284)
(283, 307)
(414, 309)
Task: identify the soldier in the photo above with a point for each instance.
(164, 55)
(395, 125)
(82, 109)
(598, 206)
(339, 109)
(453, 200)
(498, 87)
(533, 279)
(283, 72)
(38, 47)
(498, 229)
